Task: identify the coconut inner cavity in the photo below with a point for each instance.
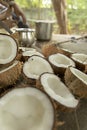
(26, 109)
(82, 76)
(8, 49)
(57, 90)
(61, 60)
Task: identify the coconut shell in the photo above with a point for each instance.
(24, 85)
(69, 77)
(64, 52)
(85, 71)
(27, 80)
(59, 107)
(78, 88)
(10, 76)
(49, 49)
(78, 64)
(19, 56)
(58, 70)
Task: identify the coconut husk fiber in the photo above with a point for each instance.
(75, 84)
(10, 75)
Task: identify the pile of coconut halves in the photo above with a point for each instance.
(34, 86)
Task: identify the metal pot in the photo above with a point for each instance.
(26, 36)
(43, 30)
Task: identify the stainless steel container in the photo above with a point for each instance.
(43, 30)
(26, 36)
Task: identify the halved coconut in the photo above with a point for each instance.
(27, 54)
(76, 81)
(8, 49)
(27, 49)
(57, 90)
(80, 60)
(26, 109)
(60, 62)
(35, 66)
(10, 75)
(49, 49)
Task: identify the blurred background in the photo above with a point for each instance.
(44, 10)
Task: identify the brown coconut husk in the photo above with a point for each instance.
(78, 64)
(78, 87)
(58, 107)
(27, 80)
(69, 77)
(19, 56)
(56, 124)
(85, 71)
(49, 49)
(10, 76)
(58, 70)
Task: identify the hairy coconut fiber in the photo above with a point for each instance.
(59, 104)
(77, 82)
(10, 75)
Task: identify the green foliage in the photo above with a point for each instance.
(77, 15)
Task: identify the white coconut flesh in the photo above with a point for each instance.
(27, 49)
(66, 50)
(8, 68)
(31, 53)
(80, 75)
(26, 109)
(57, 90)
(81, 58)
(35, 66)
(61, 60)
(8, 49)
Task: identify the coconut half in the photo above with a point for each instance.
(35, 66)
(31, 53)
(26, 109)
(9, 75)
(60, 62)
(27, 54)
(57, 90)
(80, 60)
(27, 49)
(76, 81)
(8, 49)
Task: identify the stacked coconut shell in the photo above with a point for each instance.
(10, 68)
(43, 90)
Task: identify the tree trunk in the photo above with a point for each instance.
(61, 15)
